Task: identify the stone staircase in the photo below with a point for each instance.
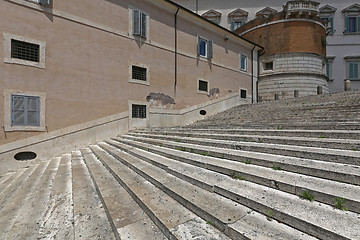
(235, 175)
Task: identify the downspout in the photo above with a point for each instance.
(176, 53)
(197, 6)
(252, 74)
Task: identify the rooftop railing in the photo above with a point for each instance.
(301, 6)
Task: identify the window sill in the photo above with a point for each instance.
(24, 62)
(24, 129)
(203, 92)
(146, 83)
(351, 33)
(357, 79)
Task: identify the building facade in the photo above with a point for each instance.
(340, 17)
(67, 63)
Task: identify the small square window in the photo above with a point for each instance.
(138, 111)
(242, 93)
(138, 73)
(269, 66)
(243, 62)
(25, 51)
(205, 47)
(203, 86)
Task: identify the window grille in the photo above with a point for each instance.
(138, 73)
(138, 111)
(203, 86)
(24, 50)
(25, 110)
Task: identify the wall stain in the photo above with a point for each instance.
(214, 92)
(160, 100)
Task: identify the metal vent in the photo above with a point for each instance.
(25, 51)
(138, 73)
(203, 86)
(138, 111)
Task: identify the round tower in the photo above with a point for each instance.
(293, 62)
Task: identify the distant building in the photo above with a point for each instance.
(289, 68)
(340, 17)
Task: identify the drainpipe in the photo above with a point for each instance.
(175, 72)
(252, 74)
(197, 6)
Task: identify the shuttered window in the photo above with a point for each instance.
(243, 62)
(25, 110)
(205, 47)
(353, 70)
(138, 111)
(139, 23)
(329, 24)
(352, 24)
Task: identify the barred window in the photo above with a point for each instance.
(203, 86)
(25, 51)
(138, 111)
(138, 73)
(243, 93)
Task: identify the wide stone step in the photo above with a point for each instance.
(58, 221)
(16, 199)
(125, 212)
(310, 217)
(174, 220)
(324, 191)
(329, 170)
(336, 134)
(323, 154)
(236, 220)
(346, 144)
(27, 222)
(91, 219)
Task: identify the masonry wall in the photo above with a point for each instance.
(89, 52)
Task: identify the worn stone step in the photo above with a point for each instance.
(22, 228)
(328, 170)
(17, 198)
(337, 134)
(346, 144)
(58, 220)
(324, 191)
(13, 182)
(90, 217)
(124, 211)
(323, 154)
(172, 218)
(205, 200)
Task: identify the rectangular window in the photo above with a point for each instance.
(243, 62)
(138, 111)
(237, 24)
(269, 66)
(203, 86)
(205, 47)
(353, 70)
(329, 24)
(25, 51)
(242, 93)
(138, 73)
(139, 23)
(352, 24)
(25, 110)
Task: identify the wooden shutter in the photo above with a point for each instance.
(209, 49)
(232, 26)
(198, 45)
(17, 110)
(143, 24)
(331, 20)
(358, 24)
(33, 111)
(356, 70)
(136, 22)
(347, 24)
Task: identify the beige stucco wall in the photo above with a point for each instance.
(89, 47)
